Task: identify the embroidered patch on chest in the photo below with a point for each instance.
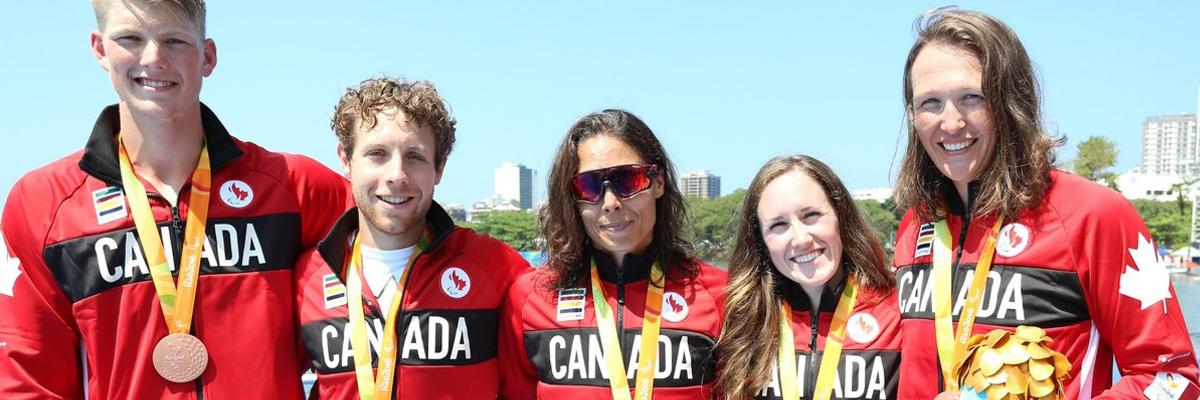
(924, 240)
(1014, 238)
(335, 291)
(110, 204)
(674, 307)
(570, 304)
(236, 194)
(455, 282)
(862, 327)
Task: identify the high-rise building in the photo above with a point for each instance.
(514, 182)
(701, 184)
(1169, 145)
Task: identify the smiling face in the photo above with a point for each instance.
(950, 113)
(392, 174)
(156, 60)
(800, 230)
(616, 225)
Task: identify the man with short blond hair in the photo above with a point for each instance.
(156, 263)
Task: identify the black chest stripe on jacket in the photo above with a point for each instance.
(1014, 295)
(861, 374)
(576, 357)
(424, 337)
(89, 265)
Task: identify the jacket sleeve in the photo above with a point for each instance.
(39, 347)
(518, 379)
(1132, 301)
(322, 194)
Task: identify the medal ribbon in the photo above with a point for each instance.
(378, 386)
(952, 345)
(177, 302)
(833, 346)
(648, 353)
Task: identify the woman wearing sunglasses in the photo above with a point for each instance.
(807, 272)
(621, 310)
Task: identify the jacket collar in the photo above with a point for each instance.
(335, 246)
(954, 203)
(634, 267)
(100, 154)
(798, 299)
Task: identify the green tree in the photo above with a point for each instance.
(1169, 223)
(1095, 155)
(883, 221)
(517, 228)
(712, 225)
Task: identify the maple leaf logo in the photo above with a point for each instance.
(676, 307)
(238, 192)
(9, 269)
(1149, 283)
(865, 325)
(1014, 238)
(459, 283)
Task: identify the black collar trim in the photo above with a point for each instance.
(798, 299)
(334, 246)
(635, 267)
(100, 154)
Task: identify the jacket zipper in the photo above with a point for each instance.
(621, 309)
(962, 240)
(811, 385)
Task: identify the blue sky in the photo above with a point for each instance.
(725, 86)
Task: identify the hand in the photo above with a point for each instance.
(946, 396)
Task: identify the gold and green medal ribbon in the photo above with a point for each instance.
(833, 346)
(377, 385)
(952, 345)
(177, 301)
(648, 353)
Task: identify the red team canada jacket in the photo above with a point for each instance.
(870, 363)
(552, 350)
(1080, 265)
(446, 335)
(77, 300)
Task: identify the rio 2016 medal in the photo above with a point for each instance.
(180, 357)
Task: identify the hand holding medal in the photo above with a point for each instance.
(1012, 365)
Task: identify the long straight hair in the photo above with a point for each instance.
(749, 342)
(1018, 173)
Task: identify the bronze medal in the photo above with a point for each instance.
(180, 357)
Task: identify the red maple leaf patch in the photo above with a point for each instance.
(459, 283)
(238, 192)
(676, 307)
(1014, 238)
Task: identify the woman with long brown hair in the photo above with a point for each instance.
(622, 310)
(808, 267)
(995, 237)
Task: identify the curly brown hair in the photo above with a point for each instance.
(1018, 173)
(559, 221)
(749, 343)
(419, 101)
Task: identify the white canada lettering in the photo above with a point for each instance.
(1002, 299)
(857, 377)
(575, 356)
(231, 250)
(434, 342)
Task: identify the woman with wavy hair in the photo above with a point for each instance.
(807, 276)
(622, 310)
(995, 237)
